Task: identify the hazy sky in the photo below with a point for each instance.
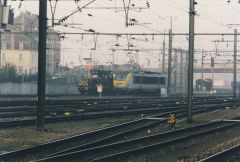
(212, 16)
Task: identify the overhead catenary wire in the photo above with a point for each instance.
(156, 34)
(199, 15)
(115, 34)
(79, 9)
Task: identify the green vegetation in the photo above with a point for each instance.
(8, 73)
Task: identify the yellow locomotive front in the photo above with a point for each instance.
(121, 81)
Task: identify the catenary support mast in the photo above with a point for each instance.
(42, 64)
(191, 58)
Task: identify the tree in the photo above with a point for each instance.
(8, 73)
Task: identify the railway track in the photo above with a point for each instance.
(231, 154)
(129, 149)
(82, 101)
(92, 139)
(104, 114)
(52, 102)
(73, 109)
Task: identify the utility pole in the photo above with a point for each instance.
(163, 57)
(137, 57)
(181, 70)
(186, 74)
(235, 65)
(202, 72)
(42, 64)
(113, 58)
(175, 71)
(212, 65)
(191, 57)
(169, 63)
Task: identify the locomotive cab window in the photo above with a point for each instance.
(121, 77)
(148, 80)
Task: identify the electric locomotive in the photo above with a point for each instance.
(140, 82)
(89, 85)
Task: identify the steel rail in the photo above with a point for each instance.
(110, 139)
(53, 111)
(96, 107)
(77, 101)
(16, 123)
(221, 155)
(47, 146)
(42, 147)
(134, 152)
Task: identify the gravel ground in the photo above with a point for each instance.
(18, 138)
(198, 148)
(198, 119)
(71, 97)
(192, 150)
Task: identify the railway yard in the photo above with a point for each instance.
(120, 129)
(119, 81)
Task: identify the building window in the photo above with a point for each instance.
(26, 72)
(21, 45)
(26, 46)
(16, 45)
(20, 69)
(3, 57)
(8, 45)
(4, 45)
(20, 58)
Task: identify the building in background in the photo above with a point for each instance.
(22, 49)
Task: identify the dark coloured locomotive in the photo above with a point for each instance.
(89, 86)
